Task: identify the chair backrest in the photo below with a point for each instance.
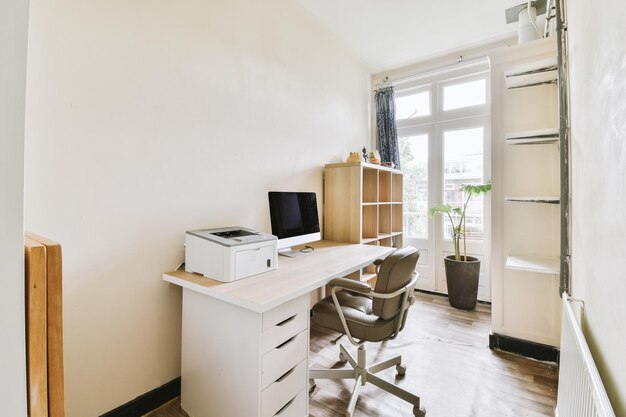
(395, 272)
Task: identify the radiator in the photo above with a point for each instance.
(581, 392)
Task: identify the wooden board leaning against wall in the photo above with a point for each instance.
(44, 311)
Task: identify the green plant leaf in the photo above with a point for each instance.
(476, 189)
(446, 208)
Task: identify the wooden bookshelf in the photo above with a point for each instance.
(363, 204)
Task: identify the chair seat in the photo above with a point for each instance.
(357, 309)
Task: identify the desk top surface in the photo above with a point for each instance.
(293, 277)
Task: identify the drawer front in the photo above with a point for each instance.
(283, 357)
(285, 310)
(279, 397)
(254, 261)
(296, 407)
(284, 330)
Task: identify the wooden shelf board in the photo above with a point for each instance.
(536, 73)
(396, 233)
(369, 203)
(368, 239)
(532, 141)
(533, 137)
(545, 200)
(364, 165)
(540, 265)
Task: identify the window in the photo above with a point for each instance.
(412, 105)
(443, 123)
(463, 164)
(460, 158)
(414, 160)
(472, 93)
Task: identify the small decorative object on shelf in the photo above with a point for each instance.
(375, 157)
(354, 157)
(364, 154)
(388, 164)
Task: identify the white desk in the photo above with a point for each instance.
(245, 344)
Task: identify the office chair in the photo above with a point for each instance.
(366, 315)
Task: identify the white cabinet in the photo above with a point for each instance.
(225, 374)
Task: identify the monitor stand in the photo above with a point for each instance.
(288, 252)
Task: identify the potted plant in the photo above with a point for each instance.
(462, 272)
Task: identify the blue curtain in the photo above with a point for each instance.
(386, 133)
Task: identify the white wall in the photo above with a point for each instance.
(149, 118)
(13, 42)
(598, 123)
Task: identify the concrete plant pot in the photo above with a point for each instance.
(462, 279)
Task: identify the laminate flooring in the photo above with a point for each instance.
(450, 366)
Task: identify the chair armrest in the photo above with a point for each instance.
(350, 284)
(378, 262)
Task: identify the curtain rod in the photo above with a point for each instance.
(388, 81)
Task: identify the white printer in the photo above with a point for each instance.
(229, 253)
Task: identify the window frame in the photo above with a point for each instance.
(469, 111)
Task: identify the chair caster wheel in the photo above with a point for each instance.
(419, 411)
(401, 369)
(312, 385)
(342, 358)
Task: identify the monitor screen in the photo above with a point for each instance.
(293, 214)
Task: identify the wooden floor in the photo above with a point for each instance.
(449, 366)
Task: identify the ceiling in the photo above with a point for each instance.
(387, 34)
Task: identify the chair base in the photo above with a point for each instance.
(362, 374)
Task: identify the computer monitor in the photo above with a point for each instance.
(294, 219)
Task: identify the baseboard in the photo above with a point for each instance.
(147, 402)
(446, 295)
(524, 347)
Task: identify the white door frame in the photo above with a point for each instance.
(430, 266)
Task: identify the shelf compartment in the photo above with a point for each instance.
(370, 185)
(533, 137)
(396, 218)
(384, 219)
(548, 266)
(386, 242)
(370, 222)
(384, 186)
(396, 188)
(537, 73)
(543, 200)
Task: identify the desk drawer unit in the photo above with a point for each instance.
(238, 363)
(285, 347)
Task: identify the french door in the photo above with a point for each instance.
(439, 151)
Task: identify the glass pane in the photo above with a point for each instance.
(463, 164)
(414, 163)
(464, 95)
(414, 105)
